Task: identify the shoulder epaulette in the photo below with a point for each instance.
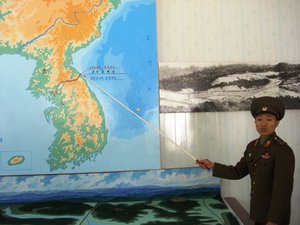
(279, 141)
(255, 142)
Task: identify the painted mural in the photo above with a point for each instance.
(171, 196)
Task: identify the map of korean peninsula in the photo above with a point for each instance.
(49, 33)
(49, 47)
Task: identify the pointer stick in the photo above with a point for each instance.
(145, 121)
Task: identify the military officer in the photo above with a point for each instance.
(269, 161)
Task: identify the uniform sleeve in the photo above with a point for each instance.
(282, 185)
(238, 171)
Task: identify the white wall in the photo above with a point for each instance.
(218, 32)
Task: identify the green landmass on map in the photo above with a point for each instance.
(16, 160)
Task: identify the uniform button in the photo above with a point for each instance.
(255, 164)
(253, 182)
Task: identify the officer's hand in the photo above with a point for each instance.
(205, 164)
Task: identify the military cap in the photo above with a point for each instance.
(267, 104)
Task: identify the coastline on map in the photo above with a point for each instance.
(124, 129)
(21, 110)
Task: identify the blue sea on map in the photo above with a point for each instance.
(121, 51)
(135, 86)
(23, 127)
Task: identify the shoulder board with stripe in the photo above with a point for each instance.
(279, 141)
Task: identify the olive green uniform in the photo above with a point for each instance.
(271, 167)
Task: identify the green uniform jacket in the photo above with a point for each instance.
(271, 168)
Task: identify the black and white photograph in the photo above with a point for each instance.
(226, 87)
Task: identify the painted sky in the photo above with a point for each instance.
(166, 178)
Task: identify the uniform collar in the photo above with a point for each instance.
(266, 143)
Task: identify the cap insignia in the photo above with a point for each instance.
(264, 108)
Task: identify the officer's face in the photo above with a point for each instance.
(266, 124)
